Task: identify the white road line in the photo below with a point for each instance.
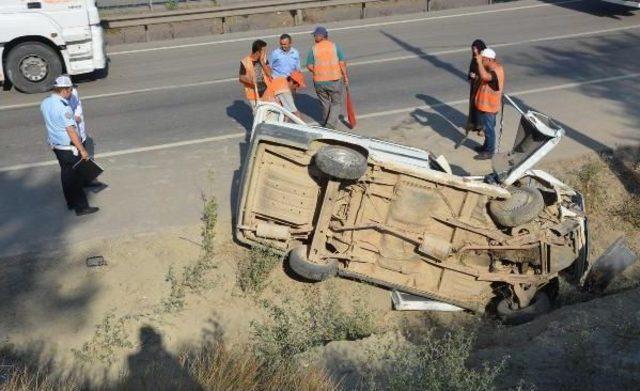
(232, 136)
(131, 92)
(518, 93)
(351, 64)
(132, 151)
(346, 28)
(497, 45)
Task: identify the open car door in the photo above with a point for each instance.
(537, 135)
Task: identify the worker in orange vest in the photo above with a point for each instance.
(488, 99)
(326, 63)
(255, 75)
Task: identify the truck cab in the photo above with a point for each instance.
(628, 3)
(41, 39)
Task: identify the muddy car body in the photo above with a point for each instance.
(343, 204)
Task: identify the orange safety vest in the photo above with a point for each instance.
(326, 65)
(249, 89)
(280, 84)
(487, 99)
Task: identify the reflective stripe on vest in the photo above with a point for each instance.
(487, 99)
(326, 66)
(249, 90)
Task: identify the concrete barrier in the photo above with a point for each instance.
(277, 14)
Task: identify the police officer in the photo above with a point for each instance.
(65, 141)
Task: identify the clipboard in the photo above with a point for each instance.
(88, 169)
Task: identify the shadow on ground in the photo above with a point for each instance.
(624, 93)
(595, 8)
(31, 203)
(154, 368)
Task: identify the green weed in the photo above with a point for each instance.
(254, 269)
(435, 364)
(110, 335)
(293, 328)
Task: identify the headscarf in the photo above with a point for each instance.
(473, 67)
(479, 44)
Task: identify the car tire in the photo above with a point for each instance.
(341, 162)
(525, 204)
(45, 60)
(540, 304)
(308, 270)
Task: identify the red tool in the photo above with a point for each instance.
(351, 111)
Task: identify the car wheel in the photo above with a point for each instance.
(511, 315)
(341, 162)
(32, 67)
(308, 270)
(525, 204)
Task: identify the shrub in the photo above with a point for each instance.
(110, 335)
(434, 364)
(254, 269)
(588, 180)
(629, 211)
(293, 328)
(171, 5)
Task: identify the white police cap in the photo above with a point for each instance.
(62, 82)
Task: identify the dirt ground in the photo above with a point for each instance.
(56, 308)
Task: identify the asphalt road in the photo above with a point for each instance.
(171, 111)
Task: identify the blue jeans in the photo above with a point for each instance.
(488, 122)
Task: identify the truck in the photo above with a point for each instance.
(42, 39)
(628, 3)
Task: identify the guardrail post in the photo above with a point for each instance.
(363, 10)
(297, 18)
(428, 6)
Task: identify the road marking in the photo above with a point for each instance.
(132, 151)
(232, 136)
(351, 64)
(131, 92)
(497, 45)
(346, 28)
(518, 93)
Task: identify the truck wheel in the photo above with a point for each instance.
(524, 205)
(32, 67)
(511, 315)
(341, 162)
(308, 270)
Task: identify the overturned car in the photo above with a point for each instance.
(341, 204)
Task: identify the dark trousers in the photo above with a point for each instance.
(71, 181)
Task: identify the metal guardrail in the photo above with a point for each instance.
(243, 9)
(116, 4)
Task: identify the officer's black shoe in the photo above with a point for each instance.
(479, 148)
(95, 184)
(86, 211)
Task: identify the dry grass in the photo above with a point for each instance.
(212, 368)
(217, 368)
